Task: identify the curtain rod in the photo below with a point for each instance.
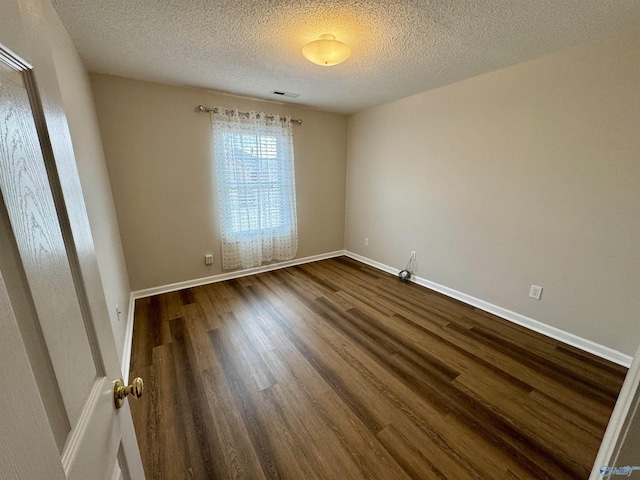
(202, 108)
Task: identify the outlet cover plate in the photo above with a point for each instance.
(535, 292)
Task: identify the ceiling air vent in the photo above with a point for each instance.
(285, 94)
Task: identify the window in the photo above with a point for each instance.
(256, 182)
(256, 188)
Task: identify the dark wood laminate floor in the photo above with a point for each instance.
(336, 370)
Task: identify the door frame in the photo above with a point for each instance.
(627, 409)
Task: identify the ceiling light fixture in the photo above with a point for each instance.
(326, 51)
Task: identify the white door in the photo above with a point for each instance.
(58, 358)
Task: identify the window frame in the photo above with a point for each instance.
(283, 223)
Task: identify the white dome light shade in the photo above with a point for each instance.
(326, 51)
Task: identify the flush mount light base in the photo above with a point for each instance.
(326, 51)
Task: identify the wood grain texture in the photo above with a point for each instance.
(23, 414)
(336, 370)
(54, 286)
(31, 331)
(30, 207)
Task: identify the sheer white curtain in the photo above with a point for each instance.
(256, 187)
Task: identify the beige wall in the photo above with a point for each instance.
(77, 100)
(158, 152)
(527, 175)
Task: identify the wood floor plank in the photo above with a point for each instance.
(310, 438)
(273, 457)
(515, 367)
(345, 380)
(586, 384)
(289, 365)
(552, 432)
(238, 452)
(166, 424)
(593, 374)
(342, 431)
(419, 459)
(521, 368)
(196, 328)
(594, 424)
(209, 312)
(202, 440)
(336, 370)
(394, 395)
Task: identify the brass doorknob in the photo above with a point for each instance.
(120, 392)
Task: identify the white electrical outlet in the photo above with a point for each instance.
(118, 311)
(413, 255)
(208, 259)
(366, 241)
(535, 292)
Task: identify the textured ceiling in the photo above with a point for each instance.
(400, 47)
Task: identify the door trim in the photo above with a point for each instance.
(71, 448)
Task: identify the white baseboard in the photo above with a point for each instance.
(548, 330)
(172, 287)
(148, 292)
